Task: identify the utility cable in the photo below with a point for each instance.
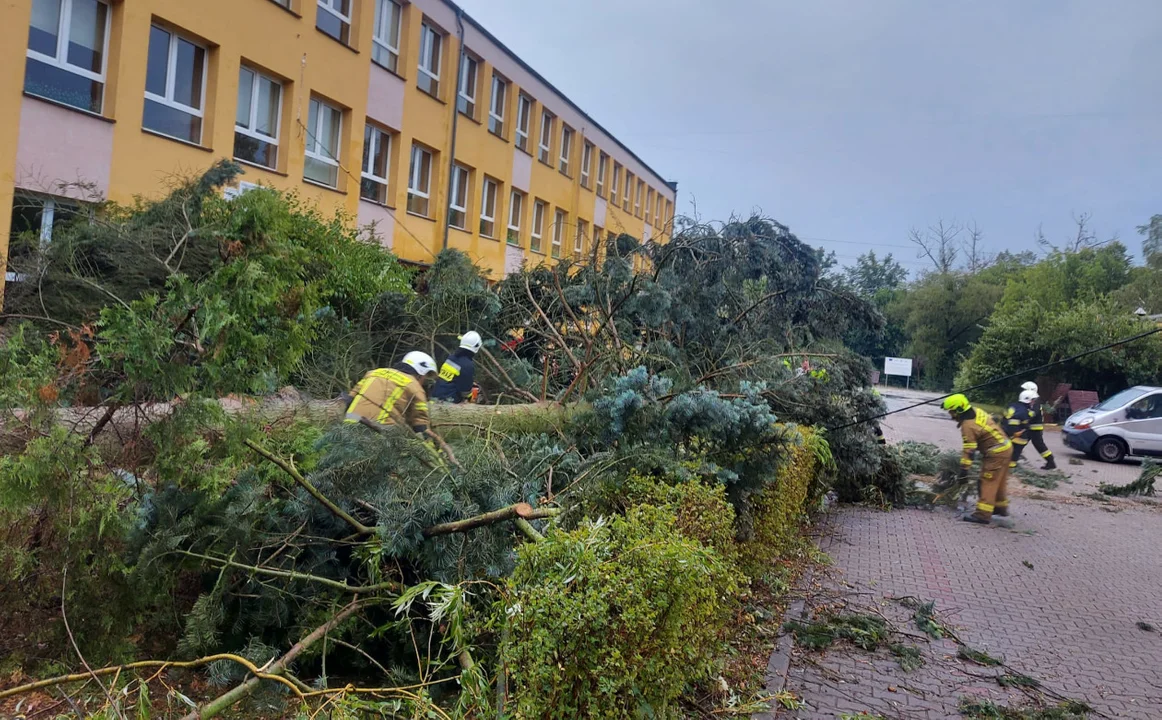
(1001, 379)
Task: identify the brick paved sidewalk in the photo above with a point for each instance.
(1070, 620)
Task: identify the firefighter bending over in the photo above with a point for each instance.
(981, 434)
(387, 395)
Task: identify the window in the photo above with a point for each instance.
(34, 219)
(598, 232)
(420, 181)
(458, 198)
(67, 41)
(566, 148)
(586, 163)
(649, 203)
(628, 191)
(385, 37)
(466, 95)
(376, 159)
(613, 184)
(524, 113)
(334, 18)
(558, 232)
(488, 192)
(602, 160)
(538, 226)
(431, 46)
(174, 86)
(324, 124)
(579, 242)
(658, 210)
(637, 198)
(498, 103)
(516, 209)
(546, 141)
(257, 118)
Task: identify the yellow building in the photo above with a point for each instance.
(408, 116)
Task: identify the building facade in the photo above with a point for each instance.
(409, 117)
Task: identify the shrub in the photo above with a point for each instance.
(615, 620)
(780, 507)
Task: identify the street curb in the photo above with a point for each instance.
(780, 663)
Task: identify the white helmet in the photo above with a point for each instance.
(471, 341)
(1028, 396)
(1029, 386)
(421, 362)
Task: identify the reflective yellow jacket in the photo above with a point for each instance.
(981, 433)
(384, 389)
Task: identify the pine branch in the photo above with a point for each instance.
(275, 670)
(297, 476)
(289, 575)
(519, 510)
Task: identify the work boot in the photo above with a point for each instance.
(1050, 464)
(1001, 511)
(977, 517)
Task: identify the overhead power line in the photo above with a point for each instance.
(1010, 376)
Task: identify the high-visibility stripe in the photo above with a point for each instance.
(1012, 464)
(1037, 427)
(1002, 503)
(389, 404)
(1001, 448)
(984, 507)
(1016, 421)
(423, 406)
(1020, 441)
(965, 462)
(1047, 453)
(970, 446)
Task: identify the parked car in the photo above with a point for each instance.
(1129, 423)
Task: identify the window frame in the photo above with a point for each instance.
(586, 163)
(459, 171)
(484, 217)
(345, 20)
(599, 186)
(560, 221)
(372, 133)
(170, 72)
(545, 152)
(579, 239)
(637, 198)
(627, 194)
(415, 174)
(565, 159)
(614, 185)
(537, 229)
(496, 120)
(435, 48)
(61, 60)
(649, 204)
(515, 209)
(312, 154)
(466, 104)
(383, 42)
(523, 103)
(252, 133)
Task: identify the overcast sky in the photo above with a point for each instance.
(854, 120)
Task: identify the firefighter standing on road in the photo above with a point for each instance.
(387, 394)
(1016, 425)
(458, 373)
(981, 434)
(1036, 434)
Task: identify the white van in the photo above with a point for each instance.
(1129, 423)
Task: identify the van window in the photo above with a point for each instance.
(1146, 408)
(1117, 401)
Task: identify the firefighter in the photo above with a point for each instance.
(1016, 425)
(1036, 433)
(386, 395)
(458, 373)
(980, 433)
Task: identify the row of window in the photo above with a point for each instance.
(66, 54)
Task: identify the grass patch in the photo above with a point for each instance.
(964, 652)
(976, 709)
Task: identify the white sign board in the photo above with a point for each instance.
(898, 366)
